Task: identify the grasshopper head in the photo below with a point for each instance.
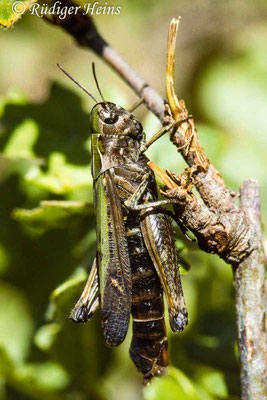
(110, 119)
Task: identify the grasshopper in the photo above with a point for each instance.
(136, 259)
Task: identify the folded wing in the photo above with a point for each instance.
(112, 260)
(159, 238)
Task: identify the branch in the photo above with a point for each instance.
(221, 227)
(249, 282)
(83, 30)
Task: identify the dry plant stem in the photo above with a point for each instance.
(208, 180)
(221, 227)
(171, 95)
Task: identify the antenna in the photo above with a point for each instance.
(78, 84)
(134, 107)
(97, 84)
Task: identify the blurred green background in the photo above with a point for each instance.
(46, 250)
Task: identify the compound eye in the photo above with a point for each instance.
(109, 117)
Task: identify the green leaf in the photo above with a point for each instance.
(42, 377)
(20, 166)
(46, 336)
(22, 140)
(173, 386)
(53, 134)
(12, 10)
(183, 381)
(63, 295)
(16, 324)
(52, 214)
(18, 155)
(164, 388)
(6, 364)
(61, 177)
(214, 382)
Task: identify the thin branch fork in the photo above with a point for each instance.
(221, 227)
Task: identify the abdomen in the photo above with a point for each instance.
(148, 348)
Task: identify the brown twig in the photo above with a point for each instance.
(249, 282)
(221, 227)
(82, 28)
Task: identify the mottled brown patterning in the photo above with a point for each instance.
(136, 258)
